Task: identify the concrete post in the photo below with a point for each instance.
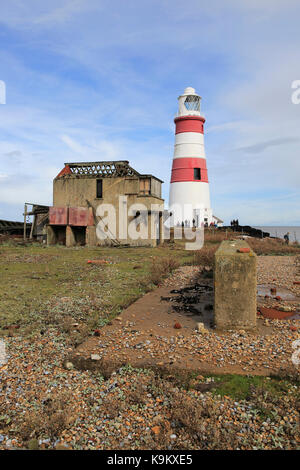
(70, 237)
(235, 286)
(51, 237)
(151, 241)
(90, 236)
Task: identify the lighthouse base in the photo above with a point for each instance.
(190, 204)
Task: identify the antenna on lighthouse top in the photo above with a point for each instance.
(189, 103)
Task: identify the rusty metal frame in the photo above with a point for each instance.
(103, 169)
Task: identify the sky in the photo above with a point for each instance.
(93, 80)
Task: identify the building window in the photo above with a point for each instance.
(145, 186)
(99, 189)
(197, 174)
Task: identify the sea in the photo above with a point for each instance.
(280, 231)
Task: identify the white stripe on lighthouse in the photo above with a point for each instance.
(189, 150)
(189, 138)
(189, 144)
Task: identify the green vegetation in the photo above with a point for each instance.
(240, 387)
(43, 286)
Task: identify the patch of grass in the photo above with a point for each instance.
(241, 387)
(43, 287)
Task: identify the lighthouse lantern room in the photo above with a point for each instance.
(189, 189)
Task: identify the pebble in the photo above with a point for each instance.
(95, 357)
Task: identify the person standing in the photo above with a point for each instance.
(287, 238)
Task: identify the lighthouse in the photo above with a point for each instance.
(189, 199)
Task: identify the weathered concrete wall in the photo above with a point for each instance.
(91, 239)
(75, 192)
(51, 237)
(235, 286)
(72, 191)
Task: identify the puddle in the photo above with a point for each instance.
(295, 317)
(273, 313)
(285, 294)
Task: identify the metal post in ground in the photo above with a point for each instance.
(25, 215)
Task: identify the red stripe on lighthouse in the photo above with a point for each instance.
(189, 124)
(183, 170)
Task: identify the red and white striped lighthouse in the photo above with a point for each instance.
(189, 199)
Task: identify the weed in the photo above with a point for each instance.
(161, 268)
(205, 256)
(50, 422)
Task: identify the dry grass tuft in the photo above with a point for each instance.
(205, 256)
(270, 246)
(54, 418)
(161, 268)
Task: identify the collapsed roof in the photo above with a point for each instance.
(104, 169)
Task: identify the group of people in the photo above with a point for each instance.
(186, 223)
(234, 223)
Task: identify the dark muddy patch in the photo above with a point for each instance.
(193, 301)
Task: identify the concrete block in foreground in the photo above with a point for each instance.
(235, 286)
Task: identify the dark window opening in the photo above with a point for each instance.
(99, 189)
(197, 174)
(79, 235)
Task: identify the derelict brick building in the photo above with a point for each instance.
(80, 188)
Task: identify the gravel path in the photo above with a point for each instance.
(282, 271)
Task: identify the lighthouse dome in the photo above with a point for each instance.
(189, 91)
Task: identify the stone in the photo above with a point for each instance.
(285, 308)
(33, 444)
(62, 446)
(95, 357)
(235, 286)
(201, 328)
(156, 429)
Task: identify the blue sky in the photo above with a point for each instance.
(98, 80)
